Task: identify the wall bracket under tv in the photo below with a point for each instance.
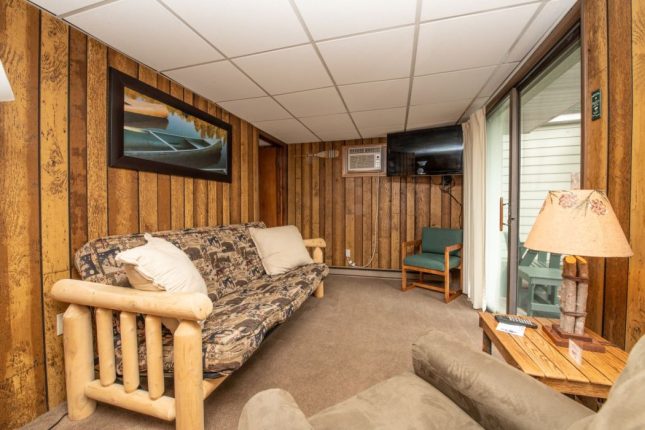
(427, 152)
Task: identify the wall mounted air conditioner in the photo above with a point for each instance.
(364, 160)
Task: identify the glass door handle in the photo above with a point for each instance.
(501, 214)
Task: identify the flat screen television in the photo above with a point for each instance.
(432, 151)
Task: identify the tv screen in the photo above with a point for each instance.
(433, 151)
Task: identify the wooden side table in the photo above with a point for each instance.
(536, 355)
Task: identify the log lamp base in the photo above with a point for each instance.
(561, 338)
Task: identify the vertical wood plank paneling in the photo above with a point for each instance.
(410, 201)
(350, 213)
(328, 208)
(77, 140)
(244, 171)
(636, 289)
(367, 220)
(97, 176)
(455, 203)
(226, 187)
(619, 20)
(427, 206)
(298, 186)
(163, 181)
(435, 197)
(200, 187)
(148, 181)
(189, 217)
(123, 184)
(306, 190)
(315, 192)
(339, 210)
(235, 206)
(358, 221)
(291, 184)
(384, 224)
(214, 189)
(255, 185)
(395, 224)
(376, 199)
(594, 42)
(22, 369)
(54, 188)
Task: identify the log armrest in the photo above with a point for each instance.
(318, 244)
(494, 393)
(182, 306)
(273, 409)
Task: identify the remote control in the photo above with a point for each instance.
(515, 320)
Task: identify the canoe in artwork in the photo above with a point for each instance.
(156, 145)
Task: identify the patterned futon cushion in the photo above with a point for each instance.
(225, 256)
(240, 321)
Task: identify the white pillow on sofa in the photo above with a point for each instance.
(281, 248)
(165, 266)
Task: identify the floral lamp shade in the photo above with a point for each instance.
(6, 94)
(578, 222)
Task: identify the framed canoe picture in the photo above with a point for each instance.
(155, 132)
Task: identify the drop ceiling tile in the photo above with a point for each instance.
(287, 130)
(286, 70)
(502, 72)
(146, 31)
(378, 122)
(470, 41)
(438, 9)
(548, 17)
(332, 127)
(58, 7)
(323, 101)
(443, 87)
(376, 95)
(333, 18)
(369, 57)
(259, 109)
(219, 81)
(475, 106)
(242, 27)
(436, 114)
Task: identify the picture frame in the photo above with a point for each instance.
(152, 131)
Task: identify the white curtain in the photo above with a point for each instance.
(474, 208)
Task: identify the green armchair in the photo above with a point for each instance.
(437, 253)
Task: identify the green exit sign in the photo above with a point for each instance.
(596, 105)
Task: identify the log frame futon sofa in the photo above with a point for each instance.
(243, 304)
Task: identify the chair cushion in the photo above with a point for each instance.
(402, 402)
(240, 320)
(431, 261)
(436, 239)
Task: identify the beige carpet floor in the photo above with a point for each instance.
(331, 349)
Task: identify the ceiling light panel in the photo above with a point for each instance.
(146, 31)
(379, 122)
(502, 72)
(369, 57)
(259, 109)
(242, 27)
(219, 81)
(436, 114)
(324, 101)
(444, 87)
(58, 7)
(376, 95)
(332, 127)
(548, 17)
(439, 9)
(287, 130)
(286, 70)
(334, 18)
(471, 41)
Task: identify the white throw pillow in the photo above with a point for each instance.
(164, 265)
(281, 248)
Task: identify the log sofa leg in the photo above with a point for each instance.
(189, 392)
(319, 293)
(79, 360)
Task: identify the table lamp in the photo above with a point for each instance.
(577, 224)
(6, 95)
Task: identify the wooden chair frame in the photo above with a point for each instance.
(84, 389)
(416, 247)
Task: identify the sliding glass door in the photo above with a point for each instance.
(533, 146)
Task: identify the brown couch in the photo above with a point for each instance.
(454, 387)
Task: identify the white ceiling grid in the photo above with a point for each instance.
(310, 70)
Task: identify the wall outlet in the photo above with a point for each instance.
(348, 253)
(59, 324)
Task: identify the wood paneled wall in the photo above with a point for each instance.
(57, 191)
(344, 210)
(613, 36)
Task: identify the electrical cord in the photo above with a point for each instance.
(375, 240)
(446, 189)
(58, 422)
